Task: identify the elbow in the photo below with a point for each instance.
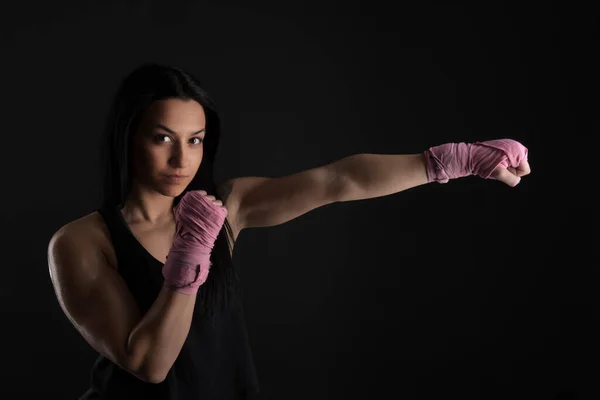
(147, 371)
(142, 362)
(343, 181)
(151, 371)
(345, 189)
(156, 378)
(149, 375)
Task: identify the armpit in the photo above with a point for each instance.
(224, 190)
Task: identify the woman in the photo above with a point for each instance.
(147, 279)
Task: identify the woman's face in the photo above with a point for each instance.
(169, 141)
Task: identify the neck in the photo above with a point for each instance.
(148, 207)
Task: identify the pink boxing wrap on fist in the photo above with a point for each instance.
(456, 160)
(198, 222)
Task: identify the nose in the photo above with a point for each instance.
(180, 157)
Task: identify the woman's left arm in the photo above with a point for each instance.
(261, 201)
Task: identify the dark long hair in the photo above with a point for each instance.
(143, 86)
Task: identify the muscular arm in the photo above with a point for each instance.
(98, 303)
(159, 335)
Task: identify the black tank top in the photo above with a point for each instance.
(215, 361)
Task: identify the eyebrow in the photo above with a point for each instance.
(175, 133)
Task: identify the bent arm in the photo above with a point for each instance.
(159, 336)
(98, 303)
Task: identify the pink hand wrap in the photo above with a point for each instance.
(198, 222)
(456, 160)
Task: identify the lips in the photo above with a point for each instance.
(176, 176)
(176, 179)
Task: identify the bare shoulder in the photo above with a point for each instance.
(86, 232)
(90, 291)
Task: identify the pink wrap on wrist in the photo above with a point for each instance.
(198, 222)
(456, 160)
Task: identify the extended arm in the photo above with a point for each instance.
(260, 201)
(366, 176)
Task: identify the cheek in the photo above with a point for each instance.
(154, 157)
(194, 157)
(149, 157)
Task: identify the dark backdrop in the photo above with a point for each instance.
(469, 290)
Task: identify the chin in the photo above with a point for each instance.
(172, 191)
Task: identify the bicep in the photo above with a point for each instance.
(263, 202)
(93, 296)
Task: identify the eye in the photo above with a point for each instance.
(159, 138)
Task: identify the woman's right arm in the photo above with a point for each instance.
(98, 303)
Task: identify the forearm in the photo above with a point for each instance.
(156, 341)
(366, 176)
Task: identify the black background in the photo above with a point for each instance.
(468, 290)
